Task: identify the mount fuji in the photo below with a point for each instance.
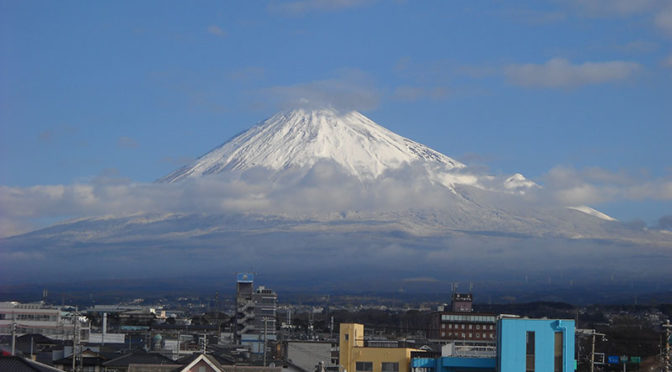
(361, 148)
(333, 196)
(300, 138)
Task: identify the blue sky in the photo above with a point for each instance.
(566, 92)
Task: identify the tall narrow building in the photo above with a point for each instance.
(244, 305)
(255, 314)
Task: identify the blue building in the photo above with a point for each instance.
(523, 345)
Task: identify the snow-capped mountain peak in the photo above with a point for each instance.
(301, 138)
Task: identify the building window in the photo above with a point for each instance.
(443, 334)
(443, 326)
(558, 352)
(390, 367)
(469, 335)
(478, 326)
(364, 366)
(450, 326)
(347, 336)
(529, 351)
(469, 326)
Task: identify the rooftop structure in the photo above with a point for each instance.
(356, 357)
(541, 345)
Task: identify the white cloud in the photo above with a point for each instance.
(663, 20)
(593, 186)
(216, 30)
(600, 8)
(301, 7)
(560, 73)
(349, 90)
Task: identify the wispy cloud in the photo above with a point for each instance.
(663, 20)
(57, 133)
(216, 30)
(301, 7)
(248, 73)
(561, 73)
(667, 62)
(411, 93)
(535, 17)
(637, 46)
(349, 90)
(127, 142)
(592, 186)
(603, 8)
(658, 12)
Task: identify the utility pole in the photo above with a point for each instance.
(331, 328)
(265, 325)
(13, 334)
(75, 338)
(74, 343)
(667, 363)
(593, 333)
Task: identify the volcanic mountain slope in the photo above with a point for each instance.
(315, 188)
(301, 138)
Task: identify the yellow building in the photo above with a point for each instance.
(355, 357)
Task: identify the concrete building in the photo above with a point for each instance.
(305, 355)
(526, 345)
(244, 305)
(538, 345)
(355, 356)
(255, 314)
(462, 324)
(38, 318)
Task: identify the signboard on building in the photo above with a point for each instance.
(245, 278)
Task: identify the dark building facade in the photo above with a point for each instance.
(462, 324)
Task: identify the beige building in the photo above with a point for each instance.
(355, 356)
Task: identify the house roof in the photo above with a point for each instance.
(222, 360)
(209, 359)
(138, 357)
(20, 364)
(37, 339)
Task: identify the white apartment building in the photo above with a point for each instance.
(38, 318)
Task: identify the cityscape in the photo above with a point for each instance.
(336, 186)
(254, 330)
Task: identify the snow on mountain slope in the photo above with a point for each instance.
(301, 138)
(590, 211)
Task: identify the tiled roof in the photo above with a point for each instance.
(19, 364)
(138, 357)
